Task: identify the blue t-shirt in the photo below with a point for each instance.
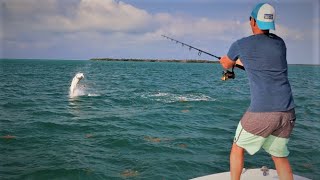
(264, 58)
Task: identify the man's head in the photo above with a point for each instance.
(262, 16)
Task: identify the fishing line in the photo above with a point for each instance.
(191, 47)
(225, 74)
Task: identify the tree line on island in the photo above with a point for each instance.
(155, 60)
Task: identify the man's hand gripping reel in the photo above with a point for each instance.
(226, 74)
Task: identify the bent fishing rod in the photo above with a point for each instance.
(225, 74)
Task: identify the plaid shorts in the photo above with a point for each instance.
(269, 130)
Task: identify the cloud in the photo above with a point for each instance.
(109, 16)
(86, 15)
(29, 7)
(287, 33)
(100, 15)
(45, 24)
(182, 26)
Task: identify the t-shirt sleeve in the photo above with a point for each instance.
(234, 51)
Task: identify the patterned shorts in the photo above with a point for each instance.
(269, 130)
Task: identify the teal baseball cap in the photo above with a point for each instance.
(264, 14)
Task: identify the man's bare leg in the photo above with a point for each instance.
(236, 161)
(283, 168)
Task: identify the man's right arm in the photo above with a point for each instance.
(232, 58)
(226, 62)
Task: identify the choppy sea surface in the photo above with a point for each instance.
(137, 120)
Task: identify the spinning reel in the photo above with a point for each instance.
(228, 75)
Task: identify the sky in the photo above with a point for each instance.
(84, 29)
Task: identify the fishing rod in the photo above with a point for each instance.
(191, 47)
(225, 74)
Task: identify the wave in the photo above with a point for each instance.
(171, 97)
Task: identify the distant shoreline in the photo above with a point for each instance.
(154, 60)
(136, 60)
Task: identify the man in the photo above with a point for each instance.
(270, 117)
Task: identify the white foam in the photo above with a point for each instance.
(94, 95)
(170, 97)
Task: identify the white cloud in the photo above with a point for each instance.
(86, 15)
(287, 33)
(27, 7)
(112, 16)
(100, 15)
(48, 23)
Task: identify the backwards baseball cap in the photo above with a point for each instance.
(264, 14)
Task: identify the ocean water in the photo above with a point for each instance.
(137, 120)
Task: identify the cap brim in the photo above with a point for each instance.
(265, 25)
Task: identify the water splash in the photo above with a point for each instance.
(171, 97)
(93, 95)
(74, 91)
